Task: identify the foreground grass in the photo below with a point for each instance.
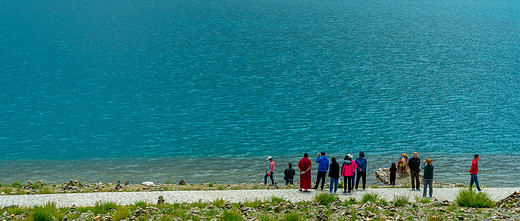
(470, 198)
(324, 206)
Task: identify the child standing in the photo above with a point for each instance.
(393, 172)
(289, 175)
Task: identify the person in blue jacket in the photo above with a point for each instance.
(322, 169)
(361, 169)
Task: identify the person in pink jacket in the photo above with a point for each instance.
(353, 172)
(347, 172)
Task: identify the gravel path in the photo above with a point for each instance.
(89, 199)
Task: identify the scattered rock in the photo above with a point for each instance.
(160, 200)
(118, 186)
(181, 182)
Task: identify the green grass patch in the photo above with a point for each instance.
(103, 207)
(16, 185)
(231, 215)
(370, 197)
(219, 203)
(7, 190)
(45, 190)
(277, 200)
(422, 199)
(349, 201)
(121, 214)
(292, 217)
(340, 185)
(211, 184)
(470, 198)
(325, 199)
(400, 201)
(253, 204)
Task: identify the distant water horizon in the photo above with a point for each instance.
(206, 90)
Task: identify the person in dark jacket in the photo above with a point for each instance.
(428, 177)
(289, 175)
(393, 172)
(334, 175)
(361, 169)
(415, 168)
(323, 162)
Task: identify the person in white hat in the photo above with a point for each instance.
(270, 170)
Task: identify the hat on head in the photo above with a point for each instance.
(269, 157)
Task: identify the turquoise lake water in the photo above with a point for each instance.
(205, 90)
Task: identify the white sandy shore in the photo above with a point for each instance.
(124, 198)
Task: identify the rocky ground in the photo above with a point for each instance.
(322, 207)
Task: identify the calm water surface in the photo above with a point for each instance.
(205, 90)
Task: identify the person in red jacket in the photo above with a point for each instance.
(473, 171)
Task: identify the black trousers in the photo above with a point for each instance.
(392, 179)
(415, 179)
(321, 176)
(361, 175)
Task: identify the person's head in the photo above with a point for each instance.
(414, 154)
(393, 164)
(361, 153)
(333, 160)
(477, 156)
(349, 156)
(429, 161)
(290, 165)
(323, 153)
(305, 155)
(346, 157)
(270, 158)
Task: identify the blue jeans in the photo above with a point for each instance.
(474, 179)
(334, 183)
(428, 183)
(353, 179)
(265, 178)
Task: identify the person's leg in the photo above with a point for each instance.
(336, 185)
(353, 180)
(417, 180)
(431, 188)
(357, 179)
(349, 183)
(345, 184)
(425, 182)
(412, 175)
(272, 180)
(476, 182)
(364, 178)
(317, 181)
(331, 185)
(265, 179)
(471, 182)
(323, 175)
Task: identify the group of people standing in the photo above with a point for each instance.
(348, 171)
(350, 168)
(414, 164)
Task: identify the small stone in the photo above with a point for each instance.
(97, 218)
(160, 200)
(181, 182)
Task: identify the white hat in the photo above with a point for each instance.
(349, 155)
(269, 157)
